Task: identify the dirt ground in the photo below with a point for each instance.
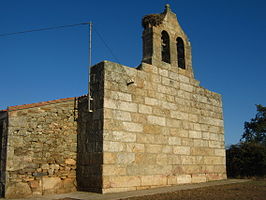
(252, 190)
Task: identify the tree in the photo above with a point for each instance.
(255, 130)
(248, 158)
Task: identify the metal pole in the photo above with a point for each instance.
(90, 44)
(90, 50)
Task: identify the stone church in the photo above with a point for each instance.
(144, 127)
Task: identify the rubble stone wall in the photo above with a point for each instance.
(160, 128)
(41, 149)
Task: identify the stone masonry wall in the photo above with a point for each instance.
(3, 148)
(90, 135)
(42, 146)
(160, 128)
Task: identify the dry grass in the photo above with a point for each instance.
(252, 190)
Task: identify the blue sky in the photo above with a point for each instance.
(227, 37)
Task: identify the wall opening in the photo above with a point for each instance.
(180, 53)
(165, 47)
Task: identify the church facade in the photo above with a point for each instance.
(150, 126)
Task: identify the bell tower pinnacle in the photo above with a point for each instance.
(165, 43)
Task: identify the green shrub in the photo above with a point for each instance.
(246, 160)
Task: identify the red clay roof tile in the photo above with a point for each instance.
(24, 106)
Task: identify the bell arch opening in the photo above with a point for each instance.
(165, 47)
(180, 53)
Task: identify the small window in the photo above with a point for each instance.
(180, 53)
(165, 47)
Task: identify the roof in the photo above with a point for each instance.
(32, 105)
